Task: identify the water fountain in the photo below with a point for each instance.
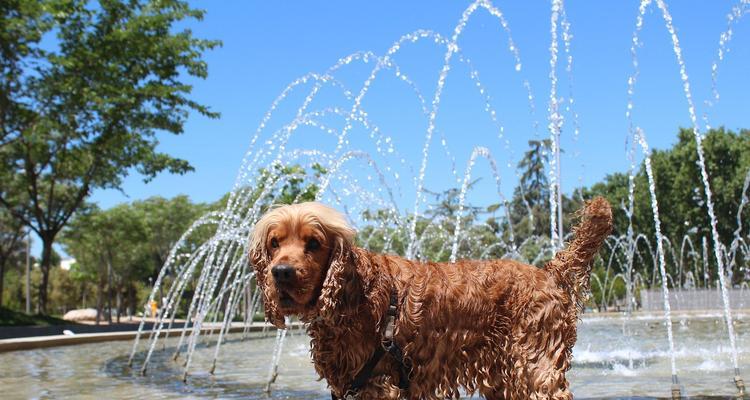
(357, 180)
(704, 175)
(224, 275)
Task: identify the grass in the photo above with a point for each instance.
(14, 318)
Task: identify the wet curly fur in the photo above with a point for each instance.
(497, 327)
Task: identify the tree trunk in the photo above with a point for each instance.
(83, 295)
(109, 293)
(99, 299)
(45, 267)
(132, 300)
(2, 280)
(119, 304)
(5, 256)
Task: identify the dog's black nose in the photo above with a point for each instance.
(283, 273)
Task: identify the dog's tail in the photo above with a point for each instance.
(571, 267)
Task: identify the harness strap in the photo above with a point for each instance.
(388, 346)
(366, 371)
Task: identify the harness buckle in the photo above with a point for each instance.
(390, 324)
(390, 327)
(388, 346)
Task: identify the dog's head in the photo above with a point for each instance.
(300, 253)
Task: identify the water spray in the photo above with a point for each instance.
(227, 249)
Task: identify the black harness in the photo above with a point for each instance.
(388, 346)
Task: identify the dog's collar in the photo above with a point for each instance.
(388, 345)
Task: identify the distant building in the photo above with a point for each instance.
(67, 263)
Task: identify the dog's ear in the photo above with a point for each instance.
(259, 258)
(339, 291)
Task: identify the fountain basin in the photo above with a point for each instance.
(615, 358)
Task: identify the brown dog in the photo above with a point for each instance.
(499, 327)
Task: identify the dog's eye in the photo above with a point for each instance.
(312, 245)
(274, 243)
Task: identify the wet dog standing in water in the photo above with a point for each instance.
(497, 327)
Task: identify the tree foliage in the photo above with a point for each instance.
(121, 248)
(529, 208)
(85, 89)
(680, 192)
(12, 246)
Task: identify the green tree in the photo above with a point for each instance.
(533, 180)
(83, 115)
(279, 184)
(299, 184)
(84, 280)
(119, 249)
(530, 204)
(529, 208)
(65, 292)
(82, 240)
(110, 245)
(22, 25)
(679, 189)
(165, 220)
(12, 246)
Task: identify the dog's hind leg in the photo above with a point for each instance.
(550, 384)
(545, 374)
(495, 388)
(540, 355)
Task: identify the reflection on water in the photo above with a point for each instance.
(614, 358)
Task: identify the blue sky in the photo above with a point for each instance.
(269, 44)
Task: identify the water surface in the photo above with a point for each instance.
(615, 358)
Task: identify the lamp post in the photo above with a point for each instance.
(28, 272)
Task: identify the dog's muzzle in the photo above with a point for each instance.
(283, 273)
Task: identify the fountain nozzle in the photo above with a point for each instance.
(740, 385)
(271, 380)
(676, 392)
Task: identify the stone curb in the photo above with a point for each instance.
(38, 342)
